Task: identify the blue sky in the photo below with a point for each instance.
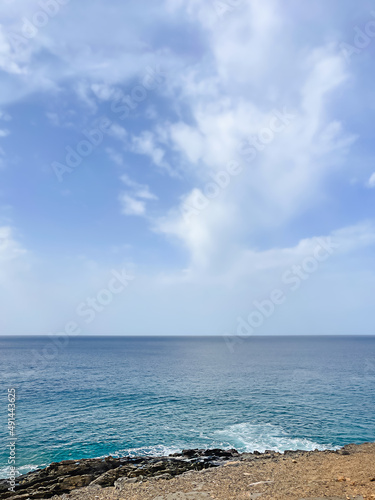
(204, 147)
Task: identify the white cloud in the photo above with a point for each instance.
(233, 96)
(103, 91)
(214, 300)
(146, 144)
(114, 156)
(140, 190)
(131, 206)
(258, 271)
(119, 132)
(85, 93)
(61, 51)
(219, 91)
(247, 40)
(3, 133)
(188, 140)
(135, 202)
(8, 58)
(371, 181)
(9, 248)
(203, 234)
(345, 241)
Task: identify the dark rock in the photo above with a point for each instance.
(215, 452)
(109, 477)
(63, 477)
(189, 453)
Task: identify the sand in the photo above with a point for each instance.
(316, 476)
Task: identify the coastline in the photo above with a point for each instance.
(348, 472)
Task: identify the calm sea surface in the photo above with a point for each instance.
(156, 395)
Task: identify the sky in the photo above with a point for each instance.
(187, 167)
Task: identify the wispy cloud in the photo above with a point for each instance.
(135, 203)
(132, 206)
(9, 247)
(230, 169)
(371, 181)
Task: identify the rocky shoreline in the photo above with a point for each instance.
(68, 475)
(65, 476)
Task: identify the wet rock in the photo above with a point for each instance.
(213, 453)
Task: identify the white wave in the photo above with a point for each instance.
(245, 437)
(151, 451)
(248, 437)
(23, 469)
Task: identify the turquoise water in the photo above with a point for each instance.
(110, 395)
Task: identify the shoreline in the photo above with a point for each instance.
(118, 478)
(160, 456)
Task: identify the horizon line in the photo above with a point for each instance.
(183, 336)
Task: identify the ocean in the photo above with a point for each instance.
(97, 396)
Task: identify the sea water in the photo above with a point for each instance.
(97, 396)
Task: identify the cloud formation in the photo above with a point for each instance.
(226, 175)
